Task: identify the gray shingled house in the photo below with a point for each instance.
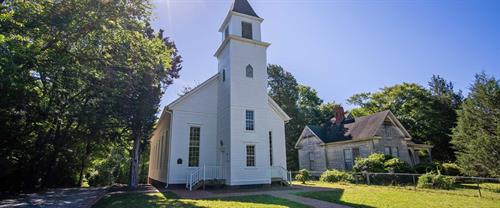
(335, 145)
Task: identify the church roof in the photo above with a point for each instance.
(243, 7)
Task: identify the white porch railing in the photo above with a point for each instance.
(201, 174)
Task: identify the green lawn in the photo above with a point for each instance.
(387, 196)
(169, 199)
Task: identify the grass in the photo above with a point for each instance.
(389, 196)
(169, 199)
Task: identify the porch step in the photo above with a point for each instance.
(209, 182)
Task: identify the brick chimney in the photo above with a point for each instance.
(339, 115)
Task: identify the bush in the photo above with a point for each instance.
(396, 165)
(423, 168)
(431, 180)
(336, 176)
(451, 169)
(302, 176)
(373, 164)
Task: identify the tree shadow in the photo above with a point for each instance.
(334, 195)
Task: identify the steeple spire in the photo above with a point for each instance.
(243, 7)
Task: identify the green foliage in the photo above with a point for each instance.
(333, 176)
(301, 103)
(476, 137)
(374, 163)
(426, 167)
(302, 176)
(76, 79)
(431, 180)
(451, 169)
(379, 163)
(396, 165)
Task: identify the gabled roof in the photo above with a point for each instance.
(361, 128)
(214, 78)
(193, 91)
(243, 7)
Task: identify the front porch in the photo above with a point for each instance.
(413, 148)
(203, 176)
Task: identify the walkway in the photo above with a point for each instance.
(55, 198)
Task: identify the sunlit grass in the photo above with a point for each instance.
(171, 200)
(391, 196)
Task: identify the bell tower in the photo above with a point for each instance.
(242, 96)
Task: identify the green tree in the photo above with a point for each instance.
(76, 76)
(476, 137)
(428, 114)
(301, 103)
(283, 88)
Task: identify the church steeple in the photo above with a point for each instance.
(243, 7)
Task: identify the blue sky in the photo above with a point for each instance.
(345, 47)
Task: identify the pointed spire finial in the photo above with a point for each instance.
(243, 7)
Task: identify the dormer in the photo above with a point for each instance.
(241, 21)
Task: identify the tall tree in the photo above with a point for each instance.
(428, 114)
(476, 137)
(445, 103)
(301, 103)
(69, 73)
(283, 88)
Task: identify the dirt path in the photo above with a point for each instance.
(61, 197)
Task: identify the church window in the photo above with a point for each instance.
(250, 155)
(249, 120)
(223, 75)
(249, 71)
(271, 148)
(246, 30)
(194, 146)
(226, 32)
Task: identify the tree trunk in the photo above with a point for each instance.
(84, 158)
(134, 163)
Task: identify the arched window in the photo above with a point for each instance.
(249, 71)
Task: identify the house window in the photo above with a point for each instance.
(311, 160)
(394, 151)
(250, 155)
(271, 148)
(249, 71)
(194, 147)
(355, 153)
(223, 75)
(348, 161)
(249, 120)
(246, 30)
(387, 151)
(226, 32)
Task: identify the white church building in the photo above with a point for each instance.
(227, 129)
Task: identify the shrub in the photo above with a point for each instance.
(396, 165)
(336, 176)
(302, 176)
(451, 169)
(431, 180)
(374, 163)
(426, 167)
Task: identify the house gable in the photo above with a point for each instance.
(310, 136)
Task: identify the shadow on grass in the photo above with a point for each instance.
(129, 200)
(333, 196)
